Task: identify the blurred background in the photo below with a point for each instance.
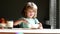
(48, 11)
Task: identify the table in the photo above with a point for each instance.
(25, 30)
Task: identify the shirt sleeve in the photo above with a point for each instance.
(36, 21)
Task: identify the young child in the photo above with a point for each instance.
(29, 17)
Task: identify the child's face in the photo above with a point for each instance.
(30, 13)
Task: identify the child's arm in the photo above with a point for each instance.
(19, 22)
(40, 26)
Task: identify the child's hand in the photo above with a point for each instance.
(40, 26)
(24, 21)
(33, 25)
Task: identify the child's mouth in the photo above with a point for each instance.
(31, 14)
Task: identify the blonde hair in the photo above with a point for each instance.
(30, 5)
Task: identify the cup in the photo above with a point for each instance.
(10, 24)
